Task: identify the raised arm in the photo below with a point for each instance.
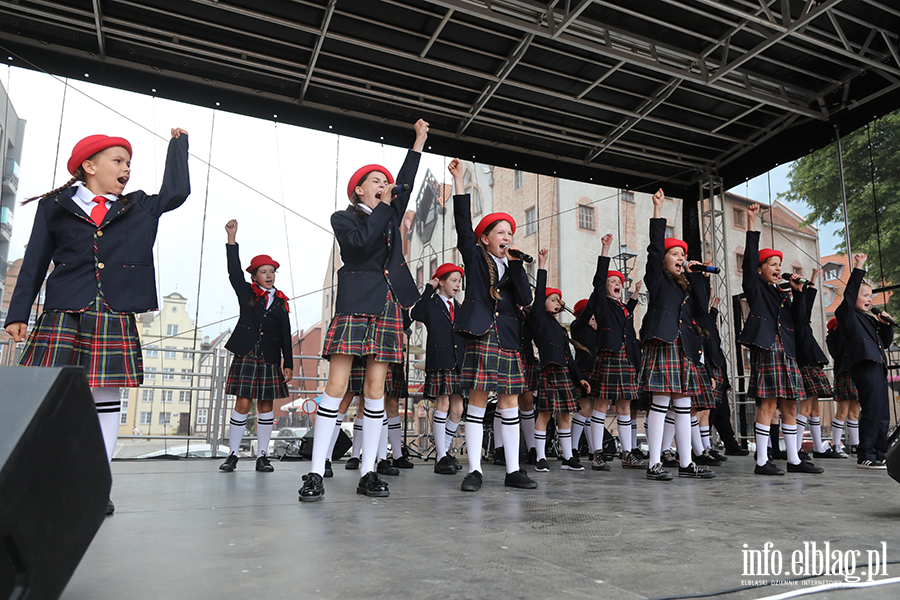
(407, 173)
(462, 214)
(656, 249)
(235, 274)
(419, 311)
(176, 184)
(750, 263)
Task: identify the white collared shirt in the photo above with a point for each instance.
(270, 296)
(364, 207)
(447, 301)
(501, 263)
(84, 198)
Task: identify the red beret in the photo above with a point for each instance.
(767, 253)
(579, 306)
(676, 243)
(90, 146)
(446, 269)
(262, 259)
(487, 220)
(551, 291)
(832, 323)
(362, 172)
(615, 274)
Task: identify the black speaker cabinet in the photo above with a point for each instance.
(54, 479)
(892, 456)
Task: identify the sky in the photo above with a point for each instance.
(281, 183)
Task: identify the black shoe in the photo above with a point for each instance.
(853, 449)
(638, 453)
(110, 507)
(472, 482)
(386, 468)
(518, 479)
(229, 464)
(778, 454)
(531, 457)
(695, 471)
(352, 464)
(736, 451)
(329, 472)
(829, 453)
(571, 464)
(657, 473)
(718, 455)
(454, 462)
(499, 457)
(706, 459)
(373, 486)
(403, 463)
(804, 467)
(313, 488)
(669, 459)
(542, 466)
(804, 456)
(263, 465)
(768, 469)
(444, 466)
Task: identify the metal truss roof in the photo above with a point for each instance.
(624, 92)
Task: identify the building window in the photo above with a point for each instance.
(420, 273)
(147, 395)
(670, 231)
(739, 217)
(529, 270)
(164, 418)
(586, 217)
(626, 196)
(202, 415)
(432, 267)
(152, 352)
(145, 418)
(530, 221)
(187, 355)
(185, 377)
(184, 397)
(519, 179)
(797, 270)
(167, 395)
(167, 374)
(150, 374)
(477, 200)
(124, 393)
(123, 415)
(170, 352)
(171, 329)
(739, 261)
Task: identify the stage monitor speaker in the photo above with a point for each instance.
(54, 479)
(892, 457)
(341, 446)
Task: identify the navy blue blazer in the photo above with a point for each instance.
(712, 346)
(271, 328)
(865, 337)
(771, 309)
(549, 334)
(526, 344)
(369, 263)
(808, 350)
(123, 261)
(444, 349)
(671, 312)
(837, 349)
(614, 327)
(582, 332)
(479, 310)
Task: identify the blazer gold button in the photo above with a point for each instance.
(99, 233)
(385, 271)
(496, 314)
(100, 265)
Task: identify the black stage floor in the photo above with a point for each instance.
(184, 530)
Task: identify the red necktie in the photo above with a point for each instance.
(452, 310)
(99, 211)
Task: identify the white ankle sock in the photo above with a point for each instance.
(438, 429)
(264, 424)
(762, 443)
(395, 435)
(623, 424)
(474, 436)
(526, 417)
(108, 403)
(540, 437)
(682, 406)
(509, 423)
(326, 415)
(373, 423)
(236, 430)
(656, 417)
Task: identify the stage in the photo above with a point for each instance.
(183, 529)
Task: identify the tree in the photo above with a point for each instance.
(815, 180)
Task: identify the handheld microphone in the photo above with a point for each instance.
(401, 187)
(519, 254)
(877, 312)
(801, 281)
(706, 269)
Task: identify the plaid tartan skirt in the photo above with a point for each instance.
(529, 372)
(252, 377)
(357, 376)
(719, 376)
(666, 369)
(489, 367)
(442, 383)
(555, 391)
(613, 377)
(707, 396)
(774, 374)
(395, 385)
(104, 342)
(844, 388)
(815, 382)
(362, 335)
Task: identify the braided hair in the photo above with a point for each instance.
(79, 175)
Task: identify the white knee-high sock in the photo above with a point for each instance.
(704, 437)
(815, 428)
(540, 437)
(762, 443)
(264, 424)
(683, 429)
(578, 424)
(623, 424)
(337, 432)
(474, 436)
(509, 423)
(357, 437)
(108, 403)
(837, 431)
(696, 438)
(373, 423)
(589, 434)
(526, 417)
(498, 429)
(656, 417)
(382, 440)
(326, 416)
(565, 442)
(634, 443)
(853, 432)
(789, 433)
(668, 430)
(236, 430)
(449, 432)
(598, 428)
(439, 429)
(395, 434)
(802, 424)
